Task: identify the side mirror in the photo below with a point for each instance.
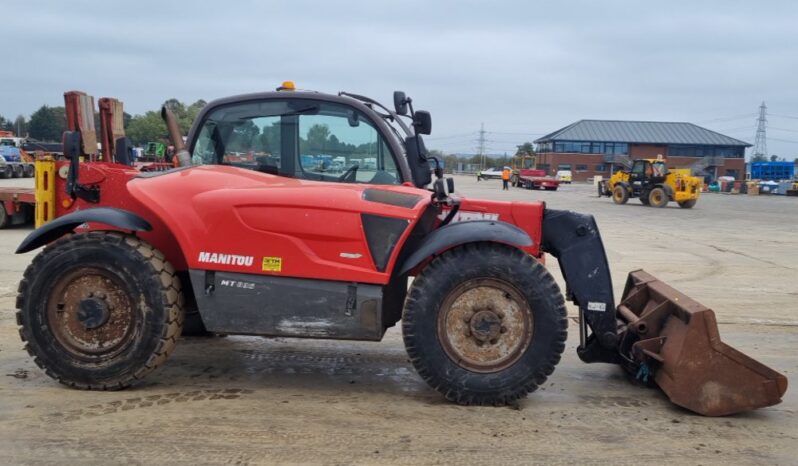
(71, 142)
(400, 103)
(417, 161)
(422, 122)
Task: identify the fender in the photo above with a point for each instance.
(57, 228)
(455, 234)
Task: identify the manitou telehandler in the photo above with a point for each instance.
(275, 245)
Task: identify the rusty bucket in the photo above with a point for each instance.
(676, 339)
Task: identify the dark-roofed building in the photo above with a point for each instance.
(598, 147)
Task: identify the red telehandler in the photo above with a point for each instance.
(315, 234)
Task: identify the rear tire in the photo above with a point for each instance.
(620, 195)
(99, 310)
(6, 171)
(644, 198)
(19, 171)
(658, 198)
(459, 309)
(29, 171)
(688, 204)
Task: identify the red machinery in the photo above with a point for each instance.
(278, 246)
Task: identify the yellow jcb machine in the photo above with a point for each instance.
(655, 185)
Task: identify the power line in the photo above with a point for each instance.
(785, 140)
(784, 116)
(729, 118)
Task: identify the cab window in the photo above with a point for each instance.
(339, 144)
(639, 167)
(300, 138)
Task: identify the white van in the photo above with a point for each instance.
(564, 176)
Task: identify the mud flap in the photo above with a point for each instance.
(675, 339)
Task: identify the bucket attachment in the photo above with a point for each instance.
(676, 339)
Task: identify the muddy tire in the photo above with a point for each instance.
(6, 171)
(688, 204)
(29, 171)
(644, 198)
(484, 324)
(19, 171)
(99, 310)
(620, 195)
(657, 198)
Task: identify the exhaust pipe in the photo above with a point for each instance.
(183, 157)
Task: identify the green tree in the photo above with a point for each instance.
(47, 123)
(147, 128)
(317, 139)
(6, 124)
(526, 149)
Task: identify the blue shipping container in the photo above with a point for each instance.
(774, 171)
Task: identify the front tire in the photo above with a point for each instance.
(99, 310)
(688, 204)
(620, 195)
(484, 324)
(658, 198)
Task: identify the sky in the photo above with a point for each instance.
(521, 68)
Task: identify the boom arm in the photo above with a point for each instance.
(574, 239)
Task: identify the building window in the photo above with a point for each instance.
(601, 167)
(732, 152)
(544, 166)
(581, 168)
(581, 147)
(564, 166)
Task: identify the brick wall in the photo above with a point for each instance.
(638, 151)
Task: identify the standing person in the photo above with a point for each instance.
(479, 175)
(505, 179)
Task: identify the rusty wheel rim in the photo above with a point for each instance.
(656, 197)
(91, 314)
(618, 194)
(485, 325)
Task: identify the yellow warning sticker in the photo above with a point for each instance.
(272, 264)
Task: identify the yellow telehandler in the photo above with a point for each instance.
(655, 185)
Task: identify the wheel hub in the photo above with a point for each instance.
(485, 325)
(93, 312)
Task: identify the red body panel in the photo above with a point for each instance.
(244, 217)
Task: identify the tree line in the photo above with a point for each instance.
(48, 123)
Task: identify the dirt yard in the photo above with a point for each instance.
(242, 400)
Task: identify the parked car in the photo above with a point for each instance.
(565, 176)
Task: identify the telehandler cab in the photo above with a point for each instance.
(302, 214)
